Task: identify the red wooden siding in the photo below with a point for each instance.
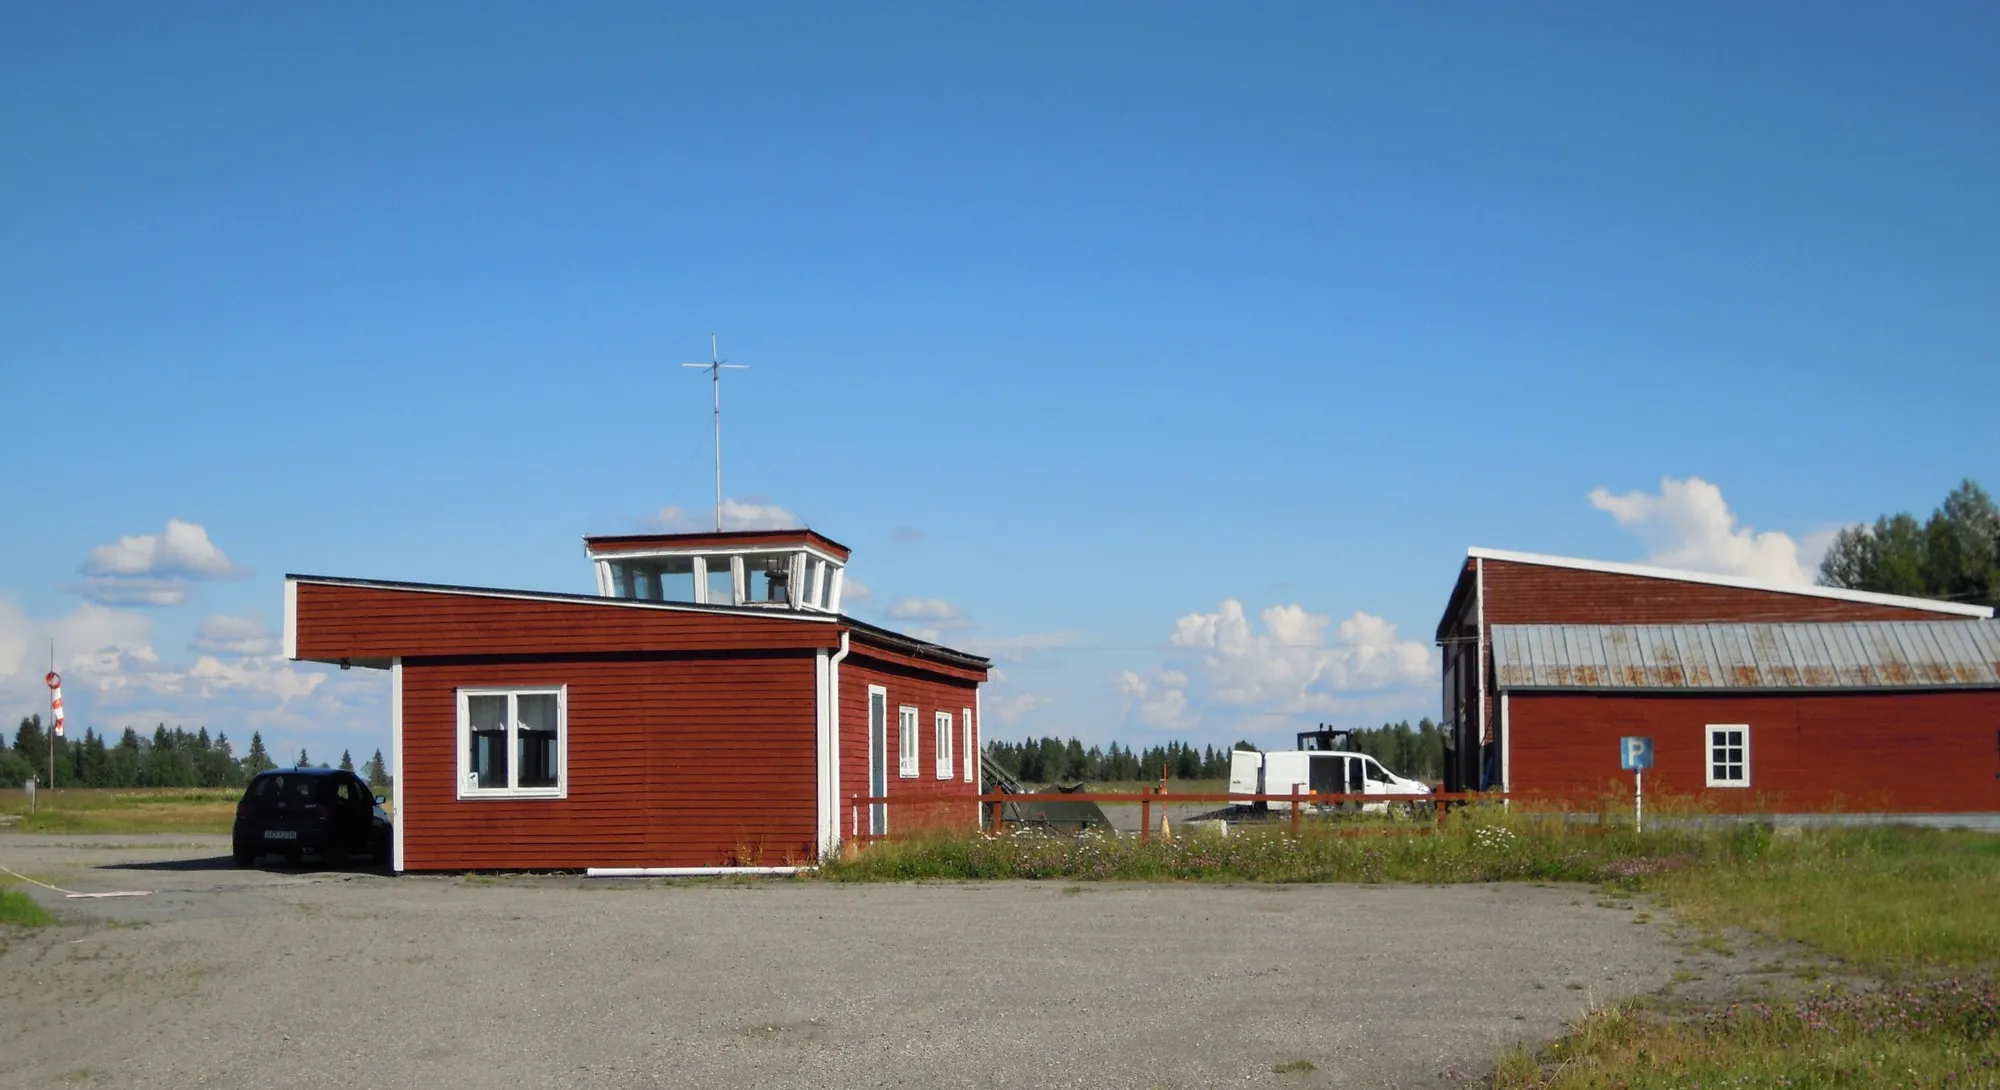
(1519, 593)
(1877, 752)
(930, 693)
(673, 761)
(336, 621)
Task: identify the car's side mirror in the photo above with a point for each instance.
(380, 800)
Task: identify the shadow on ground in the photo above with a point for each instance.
(228, 863)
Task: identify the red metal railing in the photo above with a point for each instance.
(1439, 802)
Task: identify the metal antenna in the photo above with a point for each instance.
(715, 366)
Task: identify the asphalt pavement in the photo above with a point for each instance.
(222, 977)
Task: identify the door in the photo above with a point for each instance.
(878, 759)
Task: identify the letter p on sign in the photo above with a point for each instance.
(1635, 754)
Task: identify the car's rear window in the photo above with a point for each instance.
(280, 786)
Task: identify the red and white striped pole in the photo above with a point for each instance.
(56, 713)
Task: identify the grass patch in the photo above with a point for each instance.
(124, 810)
(1942, 1032)
(20, 910)
(1882, 898)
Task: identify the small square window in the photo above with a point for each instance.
(512, 743)
(906, 742)
(1729, 755)
(942, 723)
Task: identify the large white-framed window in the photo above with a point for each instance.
(1728, 755)
(906, 742)
(941, 726)
(971, 751)
(513, 743)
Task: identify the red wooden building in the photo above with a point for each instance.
(1758, 696)
(710, 706)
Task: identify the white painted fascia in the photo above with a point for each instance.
(825, 824)
(571, 599)
(291, 624)
(1741, 582)
(1506, 748)
(396, 761)
(832, 778)
(1479, 652)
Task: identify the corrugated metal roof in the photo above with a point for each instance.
(1844, 655)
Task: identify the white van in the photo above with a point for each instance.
(1328, 772)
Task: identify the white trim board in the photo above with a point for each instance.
(1741, 582)
(396, 756)
(803, 616)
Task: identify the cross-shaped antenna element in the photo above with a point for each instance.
(715, 366)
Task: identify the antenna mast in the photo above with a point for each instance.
(715, 366)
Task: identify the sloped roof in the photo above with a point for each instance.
(1720, 657)
(1961, 609)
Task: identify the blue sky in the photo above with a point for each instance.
(1172, 355)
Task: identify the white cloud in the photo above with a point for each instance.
(222, 634)
(107, 659)
(112, 590)
(934, 613)
(1001, 702)
(153, 569)
(181, 549)
(1299, 663)
(854, 591)
(1024, 648)
(749, 513)
(1688, 525)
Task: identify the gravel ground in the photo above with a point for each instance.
(265, 978)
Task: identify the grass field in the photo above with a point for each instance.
(123, 810)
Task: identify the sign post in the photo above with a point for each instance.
(1636, 755)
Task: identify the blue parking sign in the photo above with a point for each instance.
(1635, 754)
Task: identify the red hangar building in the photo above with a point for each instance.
(1759, 697)
(709, 706)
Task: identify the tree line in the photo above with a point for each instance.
(169, 758)
(1953, 555)
(1414, 751)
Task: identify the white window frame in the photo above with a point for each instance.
(909, 748)
(466, 788)
(971, 751)
(941, 725)
(1710, 734)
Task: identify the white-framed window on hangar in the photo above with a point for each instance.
(1728, 755)
(906, 742)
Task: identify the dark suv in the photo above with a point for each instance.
(292, 811)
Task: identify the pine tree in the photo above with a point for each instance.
(346, 761)
(376, 771)
(257, 760)
(303, 761)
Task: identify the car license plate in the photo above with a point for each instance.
(281, 834)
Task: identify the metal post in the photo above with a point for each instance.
(1295, 809)
(1146, 816)
(1638, 800)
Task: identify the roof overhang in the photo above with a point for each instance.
(718, 541)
